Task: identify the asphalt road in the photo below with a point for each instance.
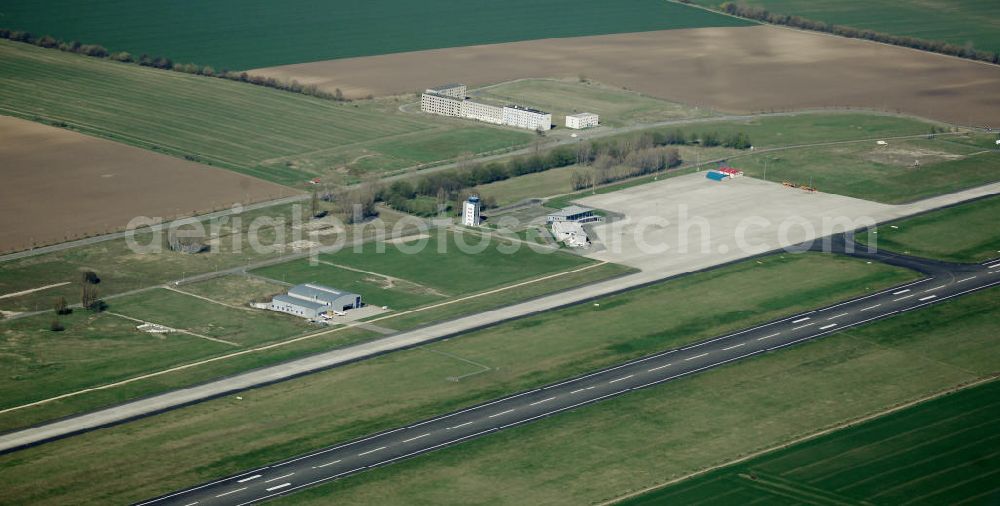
(944, 281)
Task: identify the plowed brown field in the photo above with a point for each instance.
(738, 70)
(59, 185)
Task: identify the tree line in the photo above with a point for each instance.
(936, 46)
(613, 159)
(98, 51)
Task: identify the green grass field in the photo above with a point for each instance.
(962, 233)
(941, 452)
(651, 436)
(955, 21)
(393, 389)
(616, 107)
(884, 173)
(238, 34)
(279, 136)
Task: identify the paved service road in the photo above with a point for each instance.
(943, 281)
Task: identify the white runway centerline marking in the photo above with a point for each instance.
(804, 326)
(191, 503)
(327, 464)
(460, 425)
(994, 266)
(658, 368)
(830, 326)
(254, 477)
(838, 316)
(380, 448)
(231, 492)
(901, 292)
(279, 487)
(279, 478)
(800, 320)
(733, 347)
(901, 298)
(696, 356)
(581, 390)
(541, 401)
(869, 308)
(929, 297)
(621, 379)
(966, 279)
(416, 438)
(501, 413)
(933, 289)
(768, 337)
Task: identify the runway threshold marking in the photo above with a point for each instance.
(768, 337)
(380, 448)
(254, 477)
(494, 415)
(460, 425)
(541, 401)
(800, 320)
(279, 487)
(279, 478)
(929, 297)
(838, 316)
(416, 438)
(830, 326)
(327, 464)
(658, 368)
(733, 347)
(696, 356)
(232, 492)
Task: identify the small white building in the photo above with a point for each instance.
(470, 212)
(577, 214)
(582, 120)
(311, 301)
(570, 233)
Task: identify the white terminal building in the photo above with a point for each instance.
(313, 301)
(470, 212)
(451, 100)
(582, 120)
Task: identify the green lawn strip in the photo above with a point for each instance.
(374, 290)
(652, 436)
(219, 122)
(616, 107)
(895, 458)
(457, 264)
(222, 436)
(246, 327)
(234, 289)
(963, 233)
(238, 34)
(95, 348)
(97, 399)
(882, 173)
(958, 22)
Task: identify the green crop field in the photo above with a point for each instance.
(964, 233)
(955, 21)
(616, 107)
(279, 136)
(401, 387)
(241, 34)
(941, 452)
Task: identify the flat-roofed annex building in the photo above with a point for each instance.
(311, 300)
(574, 213)
(582, 120)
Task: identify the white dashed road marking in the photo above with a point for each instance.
(696, 356)
(733, 347)
(501, 413)
(901, 292)
(460, 425)
(929, 297)
(800, 320)
(371, 451)
(838, 316)
(254, 477)
(658, 368)
(232, 492)
(279, 478)
(541, 401)
(871, 307)
(767, 337)
(830, 326)
(327, 464)
(416, 438)
(621, 379)
(279, 487)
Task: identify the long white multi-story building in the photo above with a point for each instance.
(450, 100)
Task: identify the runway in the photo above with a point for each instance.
(943, 282)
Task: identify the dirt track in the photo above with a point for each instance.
(58, 185)
(738, 70)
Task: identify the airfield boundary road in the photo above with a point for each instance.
(299, 367)
(944, 281)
